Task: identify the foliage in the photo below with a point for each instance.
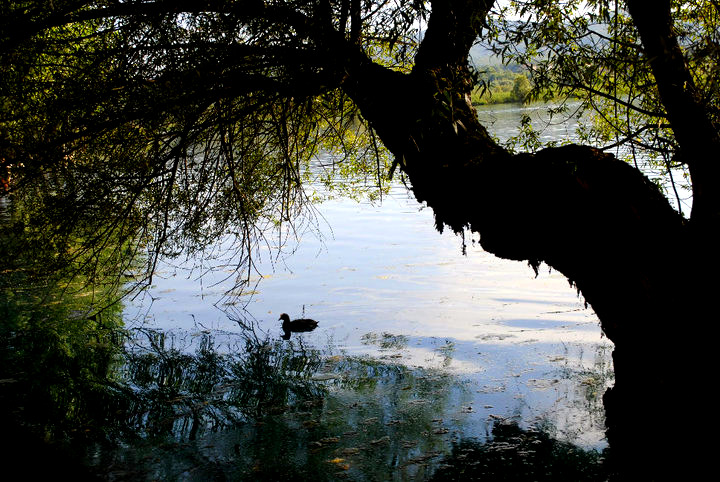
(591, 51)
(521, 88)
(166, 127)
(499, 84)
(168, 131)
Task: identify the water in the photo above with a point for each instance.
(410, 329)
(502, 121)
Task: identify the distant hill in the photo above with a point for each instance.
(480, 55)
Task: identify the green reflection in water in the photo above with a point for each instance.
(256, 408)
(204, 406)
(60, 342)
(250, 408)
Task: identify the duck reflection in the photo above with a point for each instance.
(296, 326)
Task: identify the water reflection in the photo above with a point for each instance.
(205, 405)
(251, 407)
(262, 408)
(517, 454)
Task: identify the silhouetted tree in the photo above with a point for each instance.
(176, 122)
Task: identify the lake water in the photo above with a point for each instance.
(393, 294)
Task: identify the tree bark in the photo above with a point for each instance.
(585, 213)
(692, 124)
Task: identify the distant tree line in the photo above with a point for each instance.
(501, 84)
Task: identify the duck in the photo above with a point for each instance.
(296, 326)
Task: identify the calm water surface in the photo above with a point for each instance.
(502, 344)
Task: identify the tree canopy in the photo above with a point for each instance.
(165, 125)
(592, 51)
(182, 119)
(172, 124)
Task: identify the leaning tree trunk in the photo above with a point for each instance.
(585, 213)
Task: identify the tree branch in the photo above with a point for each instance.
(698, 137)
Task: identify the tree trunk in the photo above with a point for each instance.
(686, 107)
(594, 218)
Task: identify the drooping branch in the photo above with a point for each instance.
(23, 24)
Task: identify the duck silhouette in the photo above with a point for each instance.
(296, 326)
